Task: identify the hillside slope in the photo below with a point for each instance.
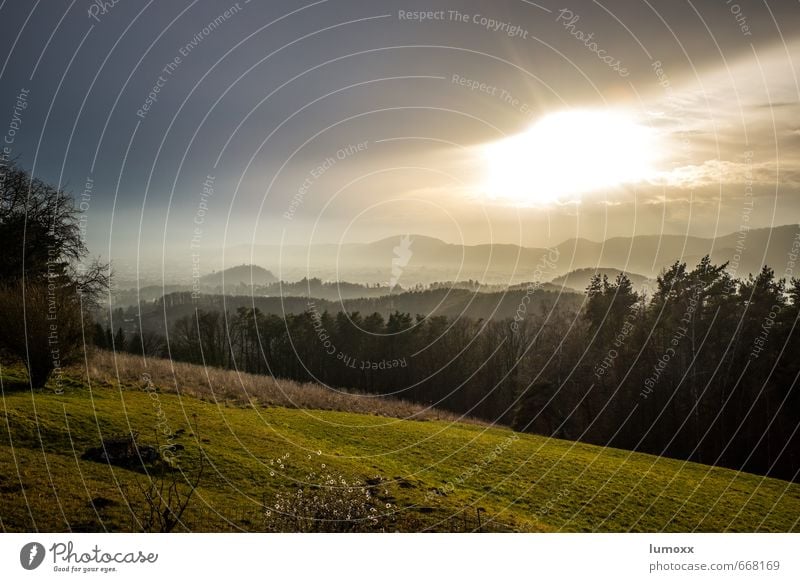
(521, 482)
(239, 275)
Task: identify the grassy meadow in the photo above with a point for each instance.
(260, 439)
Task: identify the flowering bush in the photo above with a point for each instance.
(329, 502)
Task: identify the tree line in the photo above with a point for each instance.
(704, 369)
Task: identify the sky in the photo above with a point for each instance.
(189, 126)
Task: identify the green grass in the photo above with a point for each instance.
(529, 484)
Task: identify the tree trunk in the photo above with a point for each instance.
(39, 372)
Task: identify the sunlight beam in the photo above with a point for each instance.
(567, 154)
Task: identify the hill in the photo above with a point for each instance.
(430, 259)
(578, 279)
(239, 275)
(428, 475)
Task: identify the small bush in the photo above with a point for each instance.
(122, 451)
(329, 502)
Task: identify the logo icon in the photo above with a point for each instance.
(402, 255)
(31, 555)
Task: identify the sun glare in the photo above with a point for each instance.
(566, 154)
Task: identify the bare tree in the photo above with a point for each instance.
(46, 289)
(167, 491)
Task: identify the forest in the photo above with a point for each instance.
(704, 370)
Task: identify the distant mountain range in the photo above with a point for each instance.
(555, 272)
(423, 259)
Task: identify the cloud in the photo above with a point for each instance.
(732, 125)
(713, 172)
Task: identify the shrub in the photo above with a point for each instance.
(123, 451)
(329, 502)
(43, 327)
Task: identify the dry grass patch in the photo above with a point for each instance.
(218, 385)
